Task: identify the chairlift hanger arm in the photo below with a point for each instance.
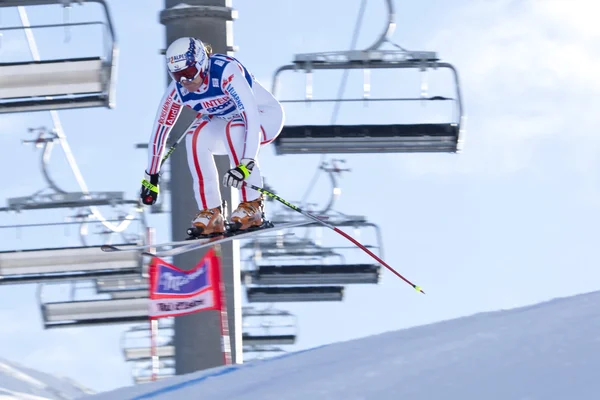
(45, 160)
(389, 28)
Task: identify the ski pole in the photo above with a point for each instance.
(344, 234)
(172, 148)
(167, 155)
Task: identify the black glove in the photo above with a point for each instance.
(149, 190)
(235, 176)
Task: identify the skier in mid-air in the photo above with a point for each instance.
(236, 115)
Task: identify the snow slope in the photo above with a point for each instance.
(18, 382)
(548, 351)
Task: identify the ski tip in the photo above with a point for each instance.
(108, 247)
(418, 289)
(147, 253)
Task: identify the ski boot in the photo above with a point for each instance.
(249, 216)
(207, 224)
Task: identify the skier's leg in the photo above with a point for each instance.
(249, 212)
(200, 139)
(235, 134)
(271, 119)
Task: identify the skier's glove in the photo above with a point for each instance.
(235, 176)
(149, 190)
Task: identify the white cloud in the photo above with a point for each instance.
(528, 73)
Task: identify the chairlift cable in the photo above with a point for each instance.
(342, 86)
(355, 36)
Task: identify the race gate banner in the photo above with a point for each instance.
(175, 292)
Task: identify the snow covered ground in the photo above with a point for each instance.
(549, 351)
(18, 382)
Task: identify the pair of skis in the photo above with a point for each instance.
(180, 247)
(175, 248)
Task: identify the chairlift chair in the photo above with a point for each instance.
(53, 84)
(424, 137)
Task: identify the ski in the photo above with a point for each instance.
(189, 244)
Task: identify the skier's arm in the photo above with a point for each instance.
(240, 91)
(166, 116)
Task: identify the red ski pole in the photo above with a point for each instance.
(344, 234)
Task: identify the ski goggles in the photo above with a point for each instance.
(187, 74)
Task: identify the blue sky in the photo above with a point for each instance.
(510, 221)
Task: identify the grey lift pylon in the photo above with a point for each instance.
(446, 137)
(54, 84)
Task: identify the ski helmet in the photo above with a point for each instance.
(186, 59)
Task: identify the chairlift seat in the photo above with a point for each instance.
(296, 274)
(65, 264)
(94, 312)
(72, 83)
(258, 340)
(271, 294)
(145, 353)
(423, 138)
